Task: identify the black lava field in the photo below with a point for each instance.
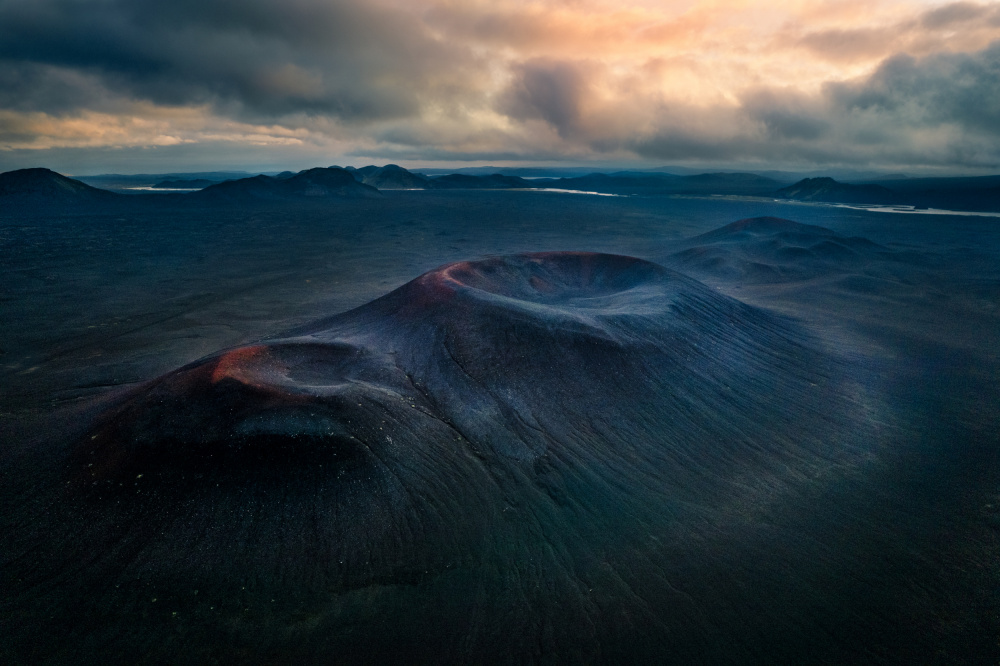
(482, 427)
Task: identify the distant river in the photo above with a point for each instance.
(913, 210)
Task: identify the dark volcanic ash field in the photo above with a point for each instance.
(481, 426)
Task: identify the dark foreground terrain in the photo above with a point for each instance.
(499, 426)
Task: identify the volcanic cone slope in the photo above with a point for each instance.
(504, 457)
(519, 356)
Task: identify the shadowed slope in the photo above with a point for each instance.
(311, 183)
(496, 181)
(549, 456)
(390, 177)
(828, 189)
(43, 185)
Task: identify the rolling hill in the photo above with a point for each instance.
(832, 191)
(309, 184)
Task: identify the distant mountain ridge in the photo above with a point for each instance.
(26, 189)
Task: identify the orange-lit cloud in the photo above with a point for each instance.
(803, 81)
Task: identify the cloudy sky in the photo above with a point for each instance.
(90, 86)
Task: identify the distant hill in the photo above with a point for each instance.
(312, 183)
(763, 250)
(753, 227)
(390, 177)
(45, 186)
(831, 191)
(196, 184)
(496, 181)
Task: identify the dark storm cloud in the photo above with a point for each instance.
(958, 89)
(28, 86)
(787, 114)
(549, 90)
(258, 58)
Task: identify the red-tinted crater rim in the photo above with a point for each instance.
(544, 276)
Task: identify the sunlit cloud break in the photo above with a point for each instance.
(803, 83)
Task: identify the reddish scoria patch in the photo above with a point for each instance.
(242, 365)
